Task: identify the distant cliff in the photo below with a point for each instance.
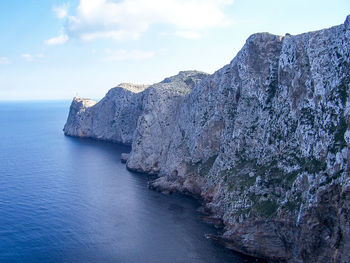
(114, 118)
(264, 141)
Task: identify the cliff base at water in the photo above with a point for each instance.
(264, 141)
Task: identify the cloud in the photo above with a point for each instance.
(4, 61)
(188, 34)
(129, 19)
(30, 57)
(59, 40)
(27, 57)
(61, 11)
(122, 55)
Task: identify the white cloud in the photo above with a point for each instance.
(27, 57)
(61, 11)
(61, 39)
(30, 57)
(4, 61)
(129, 19)
(188, 34)
(122, 54)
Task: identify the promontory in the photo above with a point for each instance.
(264, 141)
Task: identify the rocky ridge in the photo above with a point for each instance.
(114, 118)
(264, 141)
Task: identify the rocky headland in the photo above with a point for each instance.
(264, 141)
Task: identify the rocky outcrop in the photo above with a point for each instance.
(160, 113)
(264, 141)
(124, 157)
(114, 118)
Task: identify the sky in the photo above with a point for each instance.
(58, 49)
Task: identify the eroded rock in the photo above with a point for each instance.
(263, 141)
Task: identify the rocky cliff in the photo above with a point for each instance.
(114, 118)
(264, 141)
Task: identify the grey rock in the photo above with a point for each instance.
(124, 157)
(160, 112)
(114, 118)
(264, 141)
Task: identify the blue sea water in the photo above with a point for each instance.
(65, 199)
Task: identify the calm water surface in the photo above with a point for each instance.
(64, 199)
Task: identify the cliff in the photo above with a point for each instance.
(114, 118)
(264, 141)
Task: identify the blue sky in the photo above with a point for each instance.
(55, 49)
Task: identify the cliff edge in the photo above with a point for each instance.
(264, 141)
(114, 118)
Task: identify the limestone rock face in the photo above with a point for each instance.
(77, 116)
(264, 141)
(124, 157)
(114, 118)
(160, 114)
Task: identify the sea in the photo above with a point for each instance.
(65, 199)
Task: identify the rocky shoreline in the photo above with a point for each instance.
(264, 142)
(211, 218)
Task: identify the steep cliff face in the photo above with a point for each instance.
(114, 118)
(264, 140)
(160, 113)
